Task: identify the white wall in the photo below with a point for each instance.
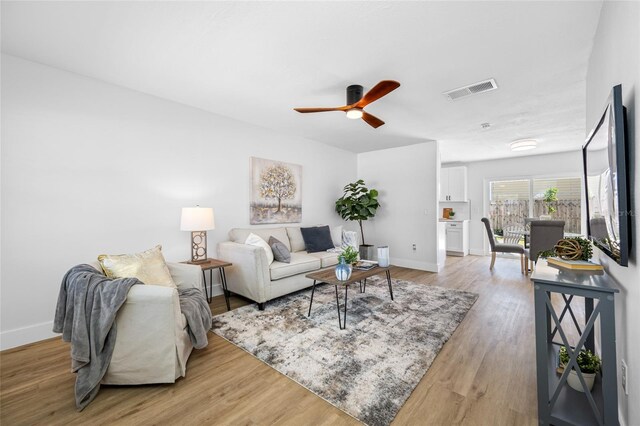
(91, 168)
(407, 179)
(566, 164)
(615, 60)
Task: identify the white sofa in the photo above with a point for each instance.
(252, 277)
(152, 343)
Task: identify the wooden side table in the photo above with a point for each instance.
(210, 265)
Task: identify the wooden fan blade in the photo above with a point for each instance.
(305, 110)
(379, 90)
(372, 120)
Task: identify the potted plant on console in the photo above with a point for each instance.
(359, 203)
(589, 365)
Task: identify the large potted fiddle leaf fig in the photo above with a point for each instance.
(359, 203)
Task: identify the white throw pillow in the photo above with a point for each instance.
(254, 240)
(336, 235)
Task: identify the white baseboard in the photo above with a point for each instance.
(476, 252)
(414, 264)
(21, 336)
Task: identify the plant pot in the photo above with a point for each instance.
(574, 380)
(545, 217)
(367, 252)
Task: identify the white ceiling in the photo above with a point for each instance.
(255, 61)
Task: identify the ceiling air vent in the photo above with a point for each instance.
(471, 89)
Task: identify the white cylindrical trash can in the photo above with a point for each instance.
(383, 256)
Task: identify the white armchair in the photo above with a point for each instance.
(152, 342)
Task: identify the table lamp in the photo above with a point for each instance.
(198, 220)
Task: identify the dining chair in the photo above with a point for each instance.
(544, 235)
(502, 248)
(527, 228)
(512, 234)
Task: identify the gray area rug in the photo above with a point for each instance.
(368, 370)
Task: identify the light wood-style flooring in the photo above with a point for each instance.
(484, 375)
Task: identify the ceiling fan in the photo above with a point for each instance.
(356, 102)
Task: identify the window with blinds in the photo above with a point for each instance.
(505, 190)
(511, 201)
(568, 188)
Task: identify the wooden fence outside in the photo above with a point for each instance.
(513, 212)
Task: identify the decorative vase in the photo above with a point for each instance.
(343, 271)
(383, 256)
(574, 380)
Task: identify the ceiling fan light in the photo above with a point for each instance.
(523, 144)
(354, 113)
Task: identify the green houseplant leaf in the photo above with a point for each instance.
(357, 203)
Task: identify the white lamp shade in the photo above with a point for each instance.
(197, 219)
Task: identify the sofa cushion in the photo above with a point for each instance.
(280, 252)
(239, 235)
(326, 258)
(148, 266)
(317, 238)
(300, 263)
(295, 237)
(255, 240)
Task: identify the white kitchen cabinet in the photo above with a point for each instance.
(453, 184)
(457, 237)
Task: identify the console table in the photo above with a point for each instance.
(558, 403)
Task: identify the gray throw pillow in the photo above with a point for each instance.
(280, 251)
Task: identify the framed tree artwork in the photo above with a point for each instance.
(276, 192)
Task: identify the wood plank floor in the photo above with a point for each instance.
(485, 374)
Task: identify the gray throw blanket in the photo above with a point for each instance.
(195, 308)
(85, 315)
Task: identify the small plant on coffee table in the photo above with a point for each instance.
(350, 255)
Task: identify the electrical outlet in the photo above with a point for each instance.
(624, 377)
(414, 247)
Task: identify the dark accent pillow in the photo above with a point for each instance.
(280, 252)
(317, 238)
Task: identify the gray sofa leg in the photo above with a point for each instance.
(261, 306)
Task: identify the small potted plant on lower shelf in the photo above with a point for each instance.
(589, 364)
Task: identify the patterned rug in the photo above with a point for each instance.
(367, 370)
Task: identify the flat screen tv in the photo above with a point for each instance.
(606, 181)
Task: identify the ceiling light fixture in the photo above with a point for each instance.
(354, 113)
(523, 144)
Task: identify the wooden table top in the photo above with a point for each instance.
(210, 264)
(328, 275)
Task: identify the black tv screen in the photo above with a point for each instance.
(606, 181)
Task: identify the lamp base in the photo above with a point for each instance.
(198, 246)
